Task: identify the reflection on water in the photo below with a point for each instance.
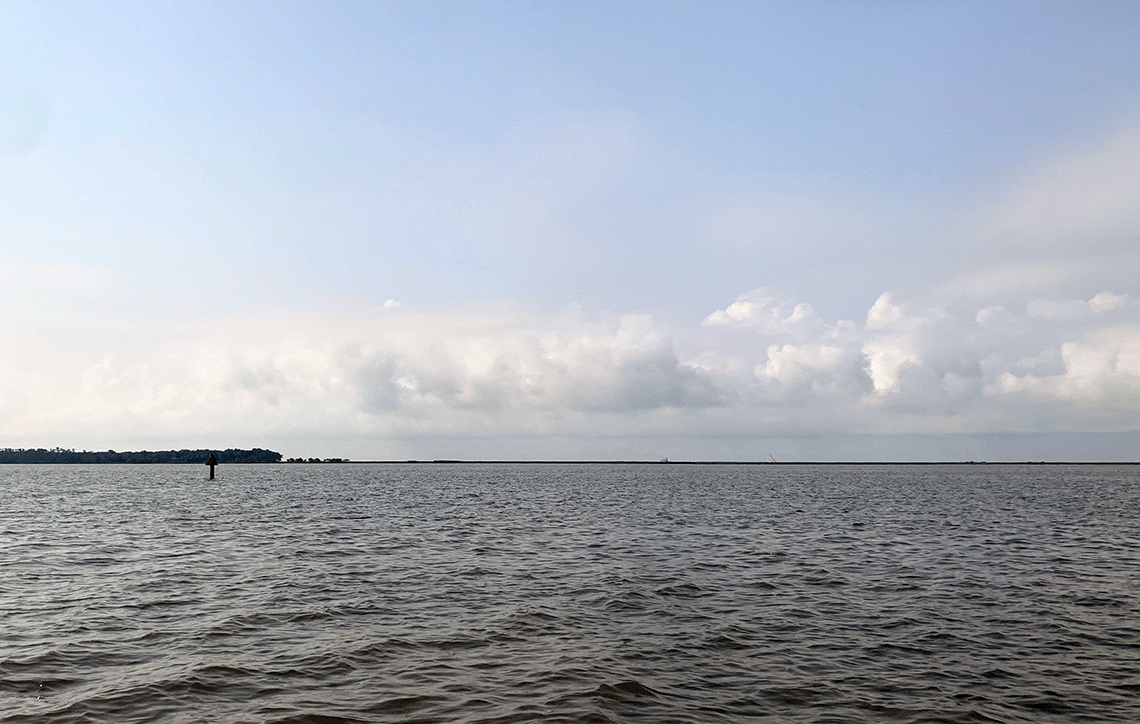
(600, 593)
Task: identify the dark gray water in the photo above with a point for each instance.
(594, 593)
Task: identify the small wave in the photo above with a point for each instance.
(725, 642)
(404, 704)
(1049, 704)
(801, 696)
(457, 644)
(35, 685)
(477, 571)
(893, 649)
(315, 719)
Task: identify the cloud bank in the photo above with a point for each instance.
(765, 365)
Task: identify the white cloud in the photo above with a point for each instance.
(995, 316)
(1073, 309)
(885, 362)
(884, 313)
(768, 312)
(388, 375)
(1101, 373)
(924, 370)
(822, 370)
(1107, 301)
(905, 369)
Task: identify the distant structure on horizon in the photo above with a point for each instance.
(318, 460)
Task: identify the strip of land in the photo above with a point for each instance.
(738, 462)
(61, 456)
(260, 455)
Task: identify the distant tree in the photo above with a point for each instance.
(59, 455)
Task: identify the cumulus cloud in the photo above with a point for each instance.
(768, 312)
(627, 368)
(917, 368)
(1050, 364)
(815, 371)
(1101, 372)
(1107, 301)
(403, 374)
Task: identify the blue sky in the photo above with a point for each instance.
(374, 230)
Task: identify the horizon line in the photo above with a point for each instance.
(447, 461)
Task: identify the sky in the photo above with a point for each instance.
(811, 230)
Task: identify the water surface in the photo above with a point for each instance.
(569, 593)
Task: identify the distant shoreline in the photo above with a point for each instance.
(729, 462)
(66, 456)
(754, 463)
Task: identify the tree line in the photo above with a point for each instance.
(61, 455)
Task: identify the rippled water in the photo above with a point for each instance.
(569, 593)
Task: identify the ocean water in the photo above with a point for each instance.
(569, 593)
